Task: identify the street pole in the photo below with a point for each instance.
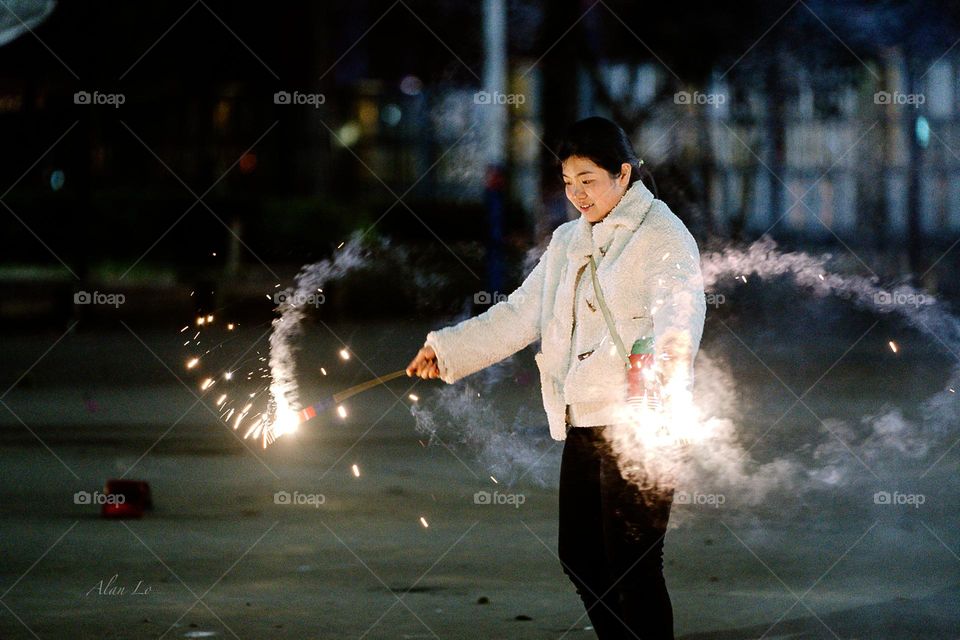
(495, 83)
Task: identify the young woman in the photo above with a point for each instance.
(646, 272)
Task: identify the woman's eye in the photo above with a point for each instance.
(587, 181)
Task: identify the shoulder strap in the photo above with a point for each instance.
(608, 318)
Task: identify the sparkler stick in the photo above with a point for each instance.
(337, 398)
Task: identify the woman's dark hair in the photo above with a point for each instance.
(603, 142)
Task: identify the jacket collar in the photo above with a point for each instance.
(629, 213)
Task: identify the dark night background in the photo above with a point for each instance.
(829, 127)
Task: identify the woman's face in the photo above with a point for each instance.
(592, 190)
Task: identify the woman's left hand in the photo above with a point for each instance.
(424, 364)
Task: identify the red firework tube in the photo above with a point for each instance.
(641, 378)
(308, 413)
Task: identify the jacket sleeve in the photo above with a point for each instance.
(678, 305)
(502, 330)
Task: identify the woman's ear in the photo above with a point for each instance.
(626, 170)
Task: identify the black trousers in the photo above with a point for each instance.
(611, 541)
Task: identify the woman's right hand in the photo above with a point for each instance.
(424, 364)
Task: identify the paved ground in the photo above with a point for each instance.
(218, 557)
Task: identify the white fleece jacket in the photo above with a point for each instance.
(649, 272)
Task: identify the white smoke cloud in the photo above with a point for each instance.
(287, 327)
(880, 447)
(505, 436)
